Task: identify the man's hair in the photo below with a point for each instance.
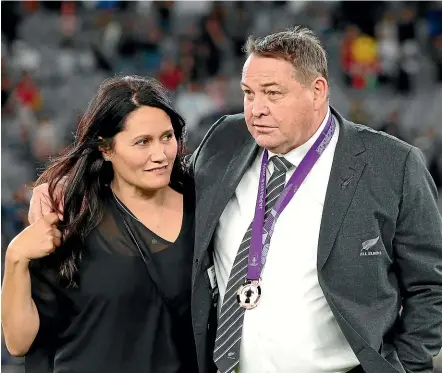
(299, 46)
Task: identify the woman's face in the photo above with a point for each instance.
(144, 152)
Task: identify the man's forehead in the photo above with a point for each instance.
(264, 71)
(263, 78)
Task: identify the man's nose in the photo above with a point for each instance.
(259, 107)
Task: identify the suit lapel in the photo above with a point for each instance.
(346, 171)
(211, 205)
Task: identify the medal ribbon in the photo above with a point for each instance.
(262, 231)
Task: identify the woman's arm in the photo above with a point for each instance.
(20, 318)
(19, 314)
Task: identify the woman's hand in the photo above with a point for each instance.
(40, 202)
(36, 241)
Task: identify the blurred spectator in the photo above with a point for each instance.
(189, 68)
(45, 140)
(24, 57)
(407, 24)
(359, 59)
(358, 113)
(409, 64)
(430, 143)
(170, 75)
(216, 88)
(425, 140)
(363, 14)
(111, 37)
(6, 84)
(14, 215)
(27, 93)
(193, 104)
(433, 18)
(107, 4)
(10, 20)
(101, 61)
(238, 26)
(164, 11)
(68, 19)
(392, 127)
(140, 47)
(31, 6)
(27, 101)
(347, 58)
(435, 169)
(215, 43)
(67, 59)
(387, 47)
(365, 66)
(437, 56)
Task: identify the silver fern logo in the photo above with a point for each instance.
(367, 247)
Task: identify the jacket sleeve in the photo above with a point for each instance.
(418, 250)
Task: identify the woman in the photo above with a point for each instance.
(107, 289)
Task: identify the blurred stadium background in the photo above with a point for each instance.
(385, 62)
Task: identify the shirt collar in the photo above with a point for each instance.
(296, 155)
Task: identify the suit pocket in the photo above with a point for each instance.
(368, 231)
(356, 262)
(357, 224)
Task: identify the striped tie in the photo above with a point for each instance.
(230, 321)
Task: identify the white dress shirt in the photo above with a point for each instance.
(293, 328)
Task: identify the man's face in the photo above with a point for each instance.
(279, 110)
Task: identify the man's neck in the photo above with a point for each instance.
(317, 122)
(309, 133)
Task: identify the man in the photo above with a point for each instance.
(312, 275)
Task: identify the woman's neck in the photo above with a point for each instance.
(134, 197)
(153, 208)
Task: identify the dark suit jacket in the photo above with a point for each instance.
(380, 243)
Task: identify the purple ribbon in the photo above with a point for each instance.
(262, 231)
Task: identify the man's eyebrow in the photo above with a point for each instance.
(269, 84)
(264, 85)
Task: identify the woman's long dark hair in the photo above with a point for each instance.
(83, 172)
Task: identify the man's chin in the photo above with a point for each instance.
(267, 142)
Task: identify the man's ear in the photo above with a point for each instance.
(320, 90)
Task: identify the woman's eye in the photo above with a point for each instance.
(142, 142)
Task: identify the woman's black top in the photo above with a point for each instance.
(126, 315)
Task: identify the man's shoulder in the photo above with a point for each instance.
(224, 137)
(229, 122)
(380, 143)
(232, 127)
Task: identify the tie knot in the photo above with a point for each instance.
(281, 164)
